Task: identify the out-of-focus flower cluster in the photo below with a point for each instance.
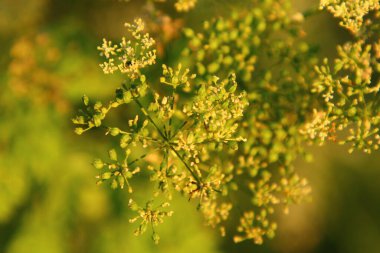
(185, 5)
(349, 98)
(264, 47)
(129, 56)
(32, 74)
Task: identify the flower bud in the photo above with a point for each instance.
(98, 164)
(114, 131)
(85, 100)
(79, 130)
(112, 155)
(106, 175)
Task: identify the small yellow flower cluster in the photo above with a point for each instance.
(149, 216)
(267, 194)
(162, 107)
(349, 99)
(129, 57)
(218, 105)
(176, 77)
(255, 226)
(118, 173)
(351, 12)
(215, 214)
(319, 127)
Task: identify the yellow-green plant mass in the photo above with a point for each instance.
(196, 107)
(236, 118)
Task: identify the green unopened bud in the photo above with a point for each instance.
(351, 112)
(121, 181)
(266, 136)
(232, 89)
(114, 104)
(271, 233)
(213, 67)
(128, 174)
(214, 44)
(188, 32)
(195, 42)
(106, 175)
(114, 184)
(97, 120)
(85, 100)
(220, 25)
(98, 164)
(190, 137)
(228, 60)
(233, 145)
(256, 40)
(78, 120)
(200, 55)
(133, 205)
(261, 26)
(156, 238)
(112, 154)
(124, 141)
(201, 68)
(114, 131)
(127, 97)
(79, 130)
(98, 105)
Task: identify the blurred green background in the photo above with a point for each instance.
(48, 198)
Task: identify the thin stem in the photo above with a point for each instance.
(125, 179)
(135, 134)
(137, 159)
(165, 131)
(179, 129)
(182, 126)
(186, 165)
(167, 141)
(150, 119)
(170, 120)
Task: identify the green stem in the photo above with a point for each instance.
(137, 159)
(186, 165)
(167, 141)
(150, 119)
